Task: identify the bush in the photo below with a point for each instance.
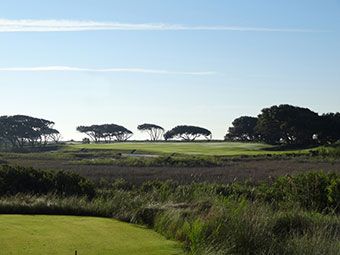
(330, 151)
(121, 184)
(18, 179)
(312, 190)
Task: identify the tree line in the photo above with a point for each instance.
(112, 132)
(286, 125)
(277, 125)
(20, 130)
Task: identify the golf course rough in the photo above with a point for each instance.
(62, 235)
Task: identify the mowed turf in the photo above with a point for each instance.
(52, 235)
(207, 148)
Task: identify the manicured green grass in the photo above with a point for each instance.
(208, 148)
(54, 235)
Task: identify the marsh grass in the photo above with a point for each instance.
(184, 161)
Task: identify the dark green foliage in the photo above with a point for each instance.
(187, 133)
(243, 130)
(93, 131)
(154, 131)
(121, 184)
(70, 184)
(151, 185)
(291, 223)
(147, 215)
(24, 180)
(21, 130)
(15, 180)
(329, 151)
(313, 191)
(329, 128)
(287, 124)
(106, 132)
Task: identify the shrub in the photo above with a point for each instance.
(29, 180)
(312, 190)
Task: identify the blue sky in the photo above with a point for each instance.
(166, 62)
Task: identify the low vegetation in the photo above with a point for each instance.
(287, 214)
(330, 152)
(174, 161)
(291, 215)
(15, 180)
(141, 162)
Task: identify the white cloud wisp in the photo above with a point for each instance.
(107, 70)
(29, 25)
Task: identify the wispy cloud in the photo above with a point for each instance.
(107, 70)
(23, 25)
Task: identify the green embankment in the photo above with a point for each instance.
(207, 148)
(61, 235)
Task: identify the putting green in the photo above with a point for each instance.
(52, 235)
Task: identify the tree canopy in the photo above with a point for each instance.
(243, 129)
(21, 130)
(153, 130)
(106, 132)
(329, 128)
(287, 124)
(187, 133)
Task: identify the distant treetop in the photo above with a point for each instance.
(21, 130)
(187, 133)
(108, 132)
(153, 130)
(243, 129)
